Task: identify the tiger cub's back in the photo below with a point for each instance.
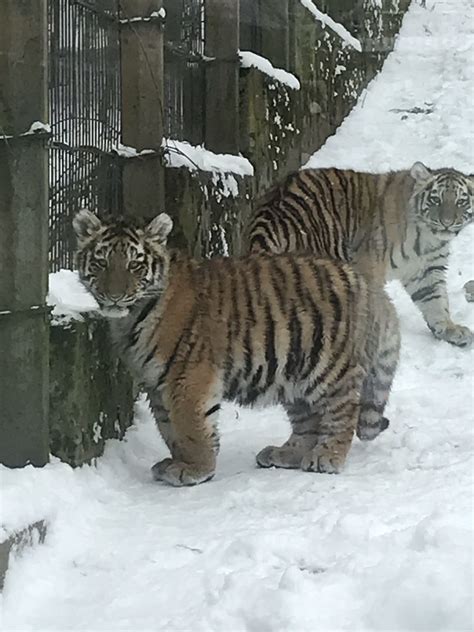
(329, 212)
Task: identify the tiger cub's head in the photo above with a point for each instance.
(444, 198)
(120, 262)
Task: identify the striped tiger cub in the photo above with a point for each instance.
(394, 225)
(258, 330)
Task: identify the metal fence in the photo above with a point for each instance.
(184, 76)
(84, 98)
(197, 92)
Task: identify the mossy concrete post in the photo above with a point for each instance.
(141, 40)
(222, 75)
(24, 339)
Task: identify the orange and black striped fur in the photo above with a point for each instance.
(394, 225)
(257, 330)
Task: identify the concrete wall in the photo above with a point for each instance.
(91, 394)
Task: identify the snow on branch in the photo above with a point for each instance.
(339, 29)
(181, 154)
(249, 59)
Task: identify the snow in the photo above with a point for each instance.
(252, 60)
(37, 127)
(68, 297)
(182, 154)
(339, 29)
(125, 151)
(386, 545)
(153, 16)
(421, 106)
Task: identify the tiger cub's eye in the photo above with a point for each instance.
(136, 266)
(462, 202)
(98, 264)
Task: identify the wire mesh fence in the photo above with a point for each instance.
(84, 97)
(184, 77)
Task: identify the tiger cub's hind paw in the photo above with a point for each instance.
(457, 335)
(367, 432)
(179, 474)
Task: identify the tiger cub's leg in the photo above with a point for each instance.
(337, 426)
(429, 292)
(162, 419)
(304, 421)
(384, 348)
(191, 433)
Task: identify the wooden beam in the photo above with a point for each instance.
(222, 75)
(24, 335)
(142, 105)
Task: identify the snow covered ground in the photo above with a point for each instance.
(386, 545)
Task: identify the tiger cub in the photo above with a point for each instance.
(395, 225)
(258, 330)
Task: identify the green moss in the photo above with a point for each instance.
(91, 394)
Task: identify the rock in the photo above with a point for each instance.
(469, 291)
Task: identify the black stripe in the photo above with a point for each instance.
(146, 310)
(392, 262)
(294, 350)
(416, 246)
(431, 269)
(171, 359)
(270, 355)
(248, 365)
(151, 355)
(424, 293)
(212, 410)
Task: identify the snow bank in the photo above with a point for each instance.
(252, 60)
(339, 29)
(182, 154)
(68, 297)
(420, 106)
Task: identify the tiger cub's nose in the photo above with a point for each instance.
(115, 298)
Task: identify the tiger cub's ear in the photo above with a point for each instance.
(85, 224)
(420, 173)
(159, 228)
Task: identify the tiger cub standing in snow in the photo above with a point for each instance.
(258, 330)
(394, 225)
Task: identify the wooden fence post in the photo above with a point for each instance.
(24, 333)
(222, 75)
(274, 23)
(142, 105)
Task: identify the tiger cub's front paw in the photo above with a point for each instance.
(455, 334)
(322, 460)
(179, 474)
